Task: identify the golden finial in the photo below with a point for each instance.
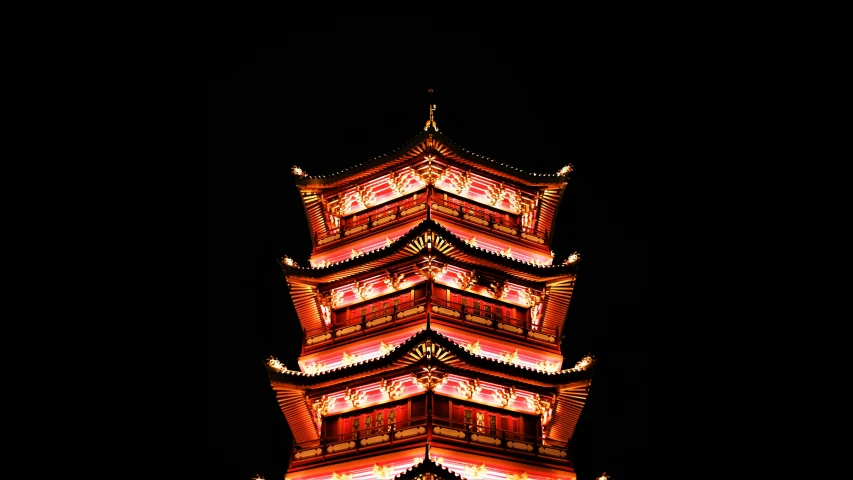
(431, 120)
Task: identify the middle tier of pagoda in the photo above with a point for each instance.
(429, 267)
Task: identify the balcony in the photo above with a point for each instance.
(361, 326)
(486, 219)
(445, 311)
(500, 325)
(373, 219)
(438, 431)
(467, 213)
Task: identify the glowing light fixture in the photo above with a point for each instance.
(298, 171)
(574, 257)
(565, 170)
(289, 261)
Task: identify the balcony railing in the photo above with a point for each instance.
(361, 325)
(369, 440)
(479, 318)
(485, 217)
(372, 218)
(451, 312)
(468, 212)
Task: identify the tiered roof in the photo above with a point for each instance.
(291, 386)
(551, 184)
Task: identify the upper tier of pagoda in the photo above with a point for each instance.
(478, 190)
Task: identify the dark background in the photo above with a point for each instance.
(346, 91)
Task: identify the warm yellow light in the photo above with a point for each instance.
(574, 257)
(565, 170)
(384, 472)
(274, 363)
(476, 471)
(297, 171)
(288, 261)
(584, 363)
(348, 359)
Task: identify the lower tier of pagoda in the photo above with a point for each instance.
(464, 427)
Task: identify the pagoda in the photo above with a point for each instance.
(431, 311)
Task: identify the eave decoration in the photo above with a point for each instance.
(505, 396)
(574, 257)
(475, 472)
(394, 280)
(466, 279)
(325, 305)
(469, 387)
(362, 290)
(355, 397)
(431, 173)
(429, 378)
(390, 390)
(498, 289)
(276, 364)
(322, 406)
(399, 182)
(431, 269)
(385, 472)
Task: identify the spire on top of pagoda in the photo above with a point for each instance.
(431, 120)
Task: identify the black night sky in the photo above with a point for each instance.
(348, 91)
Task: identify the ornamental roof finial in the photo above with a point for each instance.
(431, 120)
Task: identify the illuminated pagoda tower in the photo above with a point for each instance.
(432, 311)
